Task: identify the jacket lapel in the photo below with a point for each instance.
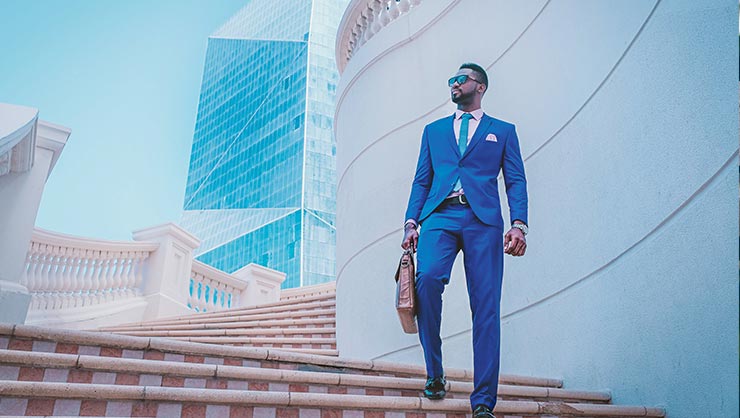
(482, 128)
(450, 134)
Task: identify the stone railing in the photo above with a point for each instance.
(213, 290)
(68, 272)
(85, 283)
(362, 20)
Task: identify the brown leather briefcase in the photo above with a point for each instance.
(406, 293)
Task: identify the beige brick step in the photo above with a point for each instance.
(328, 332)
(32, 338)
(267, 323)
(227, 315)
(40, 395)
(56, 367)
(315, 314)
(230, 316)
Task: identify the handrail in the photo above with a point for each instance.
(362, 20)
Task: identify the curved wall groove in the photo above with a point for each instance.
(546, 131)
(622, 122)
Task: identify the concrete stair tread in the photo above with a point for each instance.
(266, 323)
(232, 332)
(285, 306)
(309, 400)
(258, 374)
(227, 313)
(242, 318)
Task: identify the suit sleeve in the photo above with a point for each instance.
(422, 180)
(514, 178)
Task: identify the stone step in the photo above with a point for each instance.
(40, 399)
(300, 308)
(173, 371)
(317, 313)
(329, 288)
(265, 324)
(327, 332)
(40, 339)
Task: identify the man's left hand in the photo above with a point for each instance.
(514, 242)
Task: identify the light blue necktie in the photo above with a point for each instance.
(462, 141)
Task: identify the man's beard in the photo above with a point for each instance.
(461, 98)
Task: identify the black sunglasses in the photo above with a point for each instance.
(460, 80)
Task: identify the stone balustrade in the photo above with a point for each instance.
(363, 20)
(69, 272)
(77, 282)
(213, 290)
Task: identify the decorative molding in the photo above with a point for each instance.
(52, 137)
(362, 20)
(17, 138)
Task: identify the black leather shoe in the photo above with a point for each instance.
(482, 411)
(435, 388)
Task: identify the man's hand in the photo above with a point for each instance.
(514, 242)
(410, 237)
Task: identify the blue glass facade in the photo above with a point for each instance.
(262, 177)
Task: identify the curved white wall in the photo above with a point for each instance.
(628, 120)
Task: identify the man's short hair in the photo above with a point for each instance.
(480, 72)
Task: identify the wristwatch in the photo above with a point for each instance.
(521, 227)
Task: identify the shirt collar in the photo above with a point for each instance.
(477, 114)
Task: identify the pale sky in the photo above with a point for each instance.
(125, 77)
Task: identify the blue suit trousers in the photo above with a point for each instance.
(444, 233)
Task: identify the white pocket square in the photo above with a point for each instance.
(492, 138)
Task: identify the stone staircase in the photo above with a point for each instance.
(302, 321)
(55, 372)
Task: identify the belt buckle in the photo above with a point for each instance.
(461, 198)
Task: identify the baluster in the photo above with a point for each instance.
(117, 290)
(362, 26)
(105, 282)
(82, 286)
(191, 291)
(101, 268)
(199, 298)
(375, 8)
(218, 296)
(30, 279)
(393, 9)
(209, 295)
(78, 272)
(45, 282)
(141, 257)
(65, 271)
(403, 5)
(56, 276)
(31, 276)
(127, 274)
(385, 17)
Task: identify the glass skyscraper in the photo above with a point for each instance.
(262, 176)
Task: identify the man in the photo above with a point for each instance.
(454, 197)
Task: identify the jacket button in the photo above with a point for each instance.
(459, 164)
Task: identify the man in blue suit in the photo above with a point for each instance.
(454, 197)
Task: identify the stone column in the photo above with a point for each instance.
(167, 273)
(29, 148)
(263, 285)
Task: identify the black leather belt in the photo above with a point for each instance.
(460, 200)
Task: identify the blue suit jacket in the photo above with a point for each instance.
(440, 165)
